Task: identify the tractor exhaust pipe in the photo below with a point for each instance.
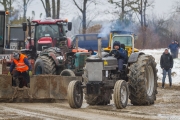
(99, 48)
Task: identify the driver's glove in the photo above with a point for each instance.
(9, 73)
(30, 73)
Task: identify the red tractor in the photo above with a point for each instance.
(50, 47)
(46, 33)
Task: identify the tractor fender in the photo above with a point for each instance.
(53, 56)
(134, 56)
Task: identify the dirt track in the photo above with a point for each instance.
(167, 106)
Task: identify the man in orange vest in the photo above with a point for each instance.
(23, 68)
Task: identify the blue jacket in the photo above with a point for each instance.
(121, 55)
(25, 61)
(173, 47)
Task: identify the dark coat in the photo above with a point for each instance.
(173, 47)
(166, 61)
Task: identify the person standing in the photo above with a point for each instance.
(22, 66)
(166, 63)
(173, 48)
(177, 52)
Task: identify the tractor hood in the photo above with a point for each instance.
(45, 40)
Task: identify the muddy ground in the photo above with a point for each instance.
(166, 107)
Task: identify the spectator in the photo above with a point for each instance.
(91, 51)
(177, 52)
(173, 48)
(166, 63)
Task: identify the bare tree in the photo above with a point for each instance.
(141, 9)
(123, 6)
(47, 7)
(7, 4)
(176, 7)
(83, 11)
(53, 9)
(82, 7)
(138, 7)
(26, 3)
(58, 9)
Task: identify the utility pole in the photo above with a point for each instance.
(9, 21)
(25, 9)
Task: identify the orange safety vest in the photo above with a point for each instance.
(20, 65)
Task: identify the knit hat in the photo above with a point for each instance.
(117, 43)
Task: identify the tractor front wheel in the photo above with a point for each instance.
(120, 94)
(75, 94)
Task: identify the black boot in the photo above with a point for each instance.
(170, 84)
(163, 85)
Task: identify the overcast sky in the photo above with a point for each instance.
(161, 8)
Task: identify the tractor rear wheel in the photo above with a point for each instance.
(143, 81)
(44, 65)
(120, 94)
(67, 72)
(75, 94)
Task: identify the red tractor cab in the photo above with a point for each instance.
(47, 33)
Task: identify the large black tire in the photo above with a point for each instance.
(75, 94)
(143, 81)
(120, 94)
(67, 72)
(45, 65)
(102, 99)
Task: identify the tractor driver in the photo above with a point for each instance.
(23, 68)
(47, 31)
(118, 53)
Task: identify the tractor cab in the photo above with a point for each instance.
(47, 33)
(127, 40)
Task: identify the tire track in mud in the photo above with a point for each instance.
(38, 113)
(92, 113)
(22, 114)
(118, 113)
(62, 110)
(79, 112)
(74, 114)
